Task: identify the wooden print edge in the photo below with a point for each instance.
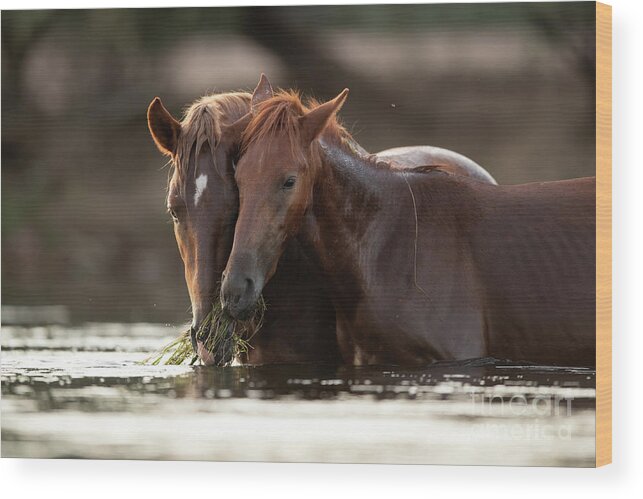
(603, 234)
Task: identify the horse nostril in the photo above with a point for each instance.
(236, 289)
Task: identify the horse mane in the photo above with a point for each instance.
(281, 113)
(201, 124)
(437, 168)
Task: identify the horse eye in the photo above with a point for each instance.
(173, 214)
(289, 183)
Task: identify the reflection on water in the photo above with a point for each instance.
(81, 392)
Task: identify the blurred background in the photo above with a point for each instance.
(83, 187)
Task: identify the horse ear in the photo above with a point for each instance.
(262, 93)
(234, 131)
(314, 122)
(164, 128)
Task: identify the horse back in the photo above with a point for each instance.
(534, 247)
(450, 161)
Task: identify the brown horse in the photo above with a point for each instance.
(299, 325)
(421, 265)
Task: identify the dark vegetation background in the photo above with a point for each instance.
(83, 220)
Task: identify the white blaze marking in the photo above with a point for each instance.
(201, 182)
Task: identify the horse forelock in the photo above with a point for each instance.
(202, 124)
(280, 115)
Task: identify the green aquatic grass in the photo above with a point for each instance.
(224, 338)
(176, 352)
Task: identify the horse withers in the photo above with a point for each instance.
(422, 265)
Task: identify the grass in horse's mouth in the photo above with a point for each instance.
(224, 338)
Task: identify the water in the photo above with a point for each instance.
(82, 393)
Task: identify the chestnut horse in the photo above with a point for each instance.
(299, 325)
(421, 265)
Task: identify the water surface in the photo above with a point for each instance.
(81, 392)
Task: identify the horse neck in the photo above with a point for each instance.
(362, 209)
(357, 186)
(350, 194)
(286, 284)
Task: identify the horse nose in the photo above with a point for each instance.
(235, 289)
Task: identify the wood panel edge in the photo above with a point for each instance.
(603, 234)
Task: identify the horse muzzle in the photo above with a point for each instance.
(239, 296)
(223, 354)
(200, 350)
